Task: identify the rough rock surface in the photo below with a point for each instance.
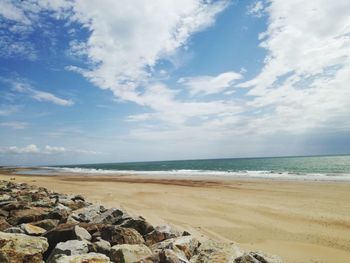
(16, 248)
(32, 229)
(121, 235)
(258, 257)
(129, 253)
(186, 244)
(46, 224)
(84, 258)
(68, 248)
(159, 234)
(86, 214)
(37, 225)
(211, 251)
(81, 233)
(100, 246)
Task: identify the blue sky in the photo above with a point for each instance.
(160, 80)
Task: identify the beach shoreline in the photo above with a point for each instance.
(302, 221)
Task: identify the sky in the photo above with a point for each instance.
(85, 81)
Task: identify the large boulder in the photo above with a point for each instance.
(129, 253)
(86, 214)
(186, 244)
(81, 233)
(33, 230)
(159, 234)
(68, 248)
(100, 246)
(29, 215)
(84, 258)
(211, 251)
(59, 212)
(137, 223)
(46, 224)
(17, 248)
(64, 232)
(117, 235)
(111, 216)
(258, 257)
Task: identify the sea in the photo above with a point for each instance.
(315, 168)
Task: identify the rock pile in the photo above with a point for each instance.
(37, 225)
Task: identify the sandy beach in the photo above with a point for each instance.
(299, 221)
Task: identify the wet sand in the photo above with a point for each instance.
(299, 221)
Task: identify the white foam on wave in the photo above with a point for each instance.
(208, 173)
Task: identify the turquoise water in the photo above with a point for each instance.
(315, 167)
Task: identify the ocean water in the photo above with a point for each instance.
(329, 168)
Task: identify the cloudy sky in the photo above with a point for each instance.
(117, 80)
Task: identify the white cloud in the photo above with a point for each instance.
(167, 108)
(128, 39)
(47, 150)
(17, 125)
(304, 82)
(40, 95)
(209, 84)
(12, 46)
(31, 148)
(9, 11)
(53, 149)
(19, 19)
(303, 87)
(46, 96)
(256, 9)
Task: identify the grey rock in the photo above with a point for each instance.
(59, 212)
(81, 233)
(100, 246)
(47, 224)
(127, 253)
(86, 214)
(111, 216)
(14, 229)
(258, 257)
(70, 247)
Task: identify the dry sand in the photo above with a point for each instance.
(299, 221)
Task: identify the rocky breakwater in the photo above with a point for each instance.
(37, 225)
